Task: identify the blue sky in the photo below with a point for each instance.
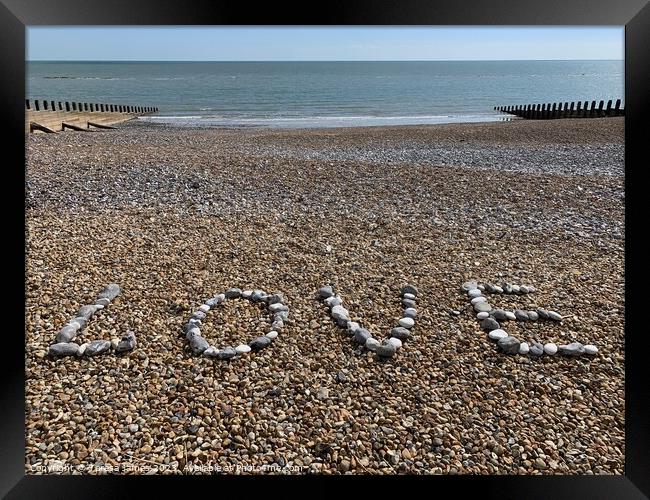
(322, 43)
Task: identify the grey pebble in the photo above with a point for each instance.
(499, 314)
(226, 353)
(482, 307)
(521, 315)
(259, 343)
(408, 303)
(233, 293)
(572, 349)
(386, 350)
(325, 292)
(198, 344)
(110, 292)
(361, 335)
(490, 324)
(401, 333)
(509, 345)
(64, 349)
(127, 343)
(536, 349)
(412, 289)
(410, 312)
(96, 347)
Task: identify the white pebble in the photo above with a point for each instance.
(82, 349)
(511, 316)
(498, 289)
(272, 334)
(205, 308)
(406, 322)
(372, 344)
(591, 349)
(409, 296)
(395, 341)
(482, 315)
(242, 349)
(524, 348)
(247, 294)
(497, 334)
(474, 293)
(550, 348)
(476, 300)
(515, 288)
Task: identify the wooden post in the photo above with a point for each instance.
(608, 112)
(600, 108)
(67, 106)
(553, 112)
(36, 126)
(593, 109)
(571, 109)
(585, 111)
(542, 115)
(617, 108)
(27, 106)
(60, 106)
(44, 105)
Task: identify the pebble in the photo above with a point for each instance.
(476, 300)
(532, 315)
(499, 314)
(572, 349)
(361, 335)
(272, 334)
(510, 316)
(408, 303)
(475, 292)
(469, 285)
(490, 324)
(278, 307)
(248, 294)
(102, 302)
(482, 307)
(352, 327)
(521, 315)
(542, 313)
(259, 343)
(232, 293)
(82, 349)
(64, 349)
(550, 348)
(406, 322)
(273, 299)
(204, 308)
(410, 312)
(524, 348)
(126, 343)
(96, 347)
(401, 333)
(133, 427)
(198, 344)
(87, 311)
(372, 344)
(242, 349)
(386, 350)
(325, 292)
(409, 296)
(536, 349)
(111, 291)
(227, 353)
(394, 341)
(410, 289)
(509, 345)
(497, 334)
(333, 301)
(554, 316)
(591, 349)
(67, 333)
(482, 315)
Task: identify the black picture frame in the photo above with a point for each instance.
(15, 15)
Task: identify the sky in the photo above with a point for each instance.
(115, 43)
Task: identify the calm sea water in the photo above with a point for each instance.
(322, 94)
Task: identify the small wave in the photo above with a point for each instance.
(85, 78)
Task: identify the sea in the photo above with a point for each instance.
(325, 94)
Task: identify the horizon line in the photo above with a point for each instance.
(308, 60)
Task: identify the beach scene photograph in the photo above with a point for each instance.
(360, 250)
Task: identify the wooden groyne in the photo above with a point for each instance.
(57, 116)
(551, 111)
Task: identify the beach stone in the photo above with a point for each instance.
(412, 289)
(82, 349)
(482, 307)
(226, 353)
(406, 322)
(258, 296)
(510, 316)
(352, 327)
(87, 311)
(247, 294)
(333, 301)
(277, 324)
(524, 289)
(490, 324)
(211, 352)
(509, 345)
(543, 314)
(476, 300)
(408, 303)
(498, 334)
(325, 292)
(473, 293)
(521, 315)
(499, 314)
(498, 289)
(127, 342)
(532, 315)
(536, 349)
(233, 293)
(401, 333)
(275, 298)
(211, 302)
(454, 312)
(63, 349)
(554, 316)
(242, 349)
(507, 288)
(482, 315)
(524, 348)
(481, 287)
(259, 343)
(409, 296)
(361, 336)
(96, 347)
(198, 344)
(591, 349)
(278, 307)
(220, 297)
(282, 315)
(394, 341)
(516, 289)
(204, 308)
(67, 333)
(192, 332)
(386, 350)
(272, 334)
(81, 321)
(102, 302)
(550, 348)
(572, 349)
(410, 312)
(198, 315)
(469, 285)
(488, 287)
(110, 292)
(372, 344)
